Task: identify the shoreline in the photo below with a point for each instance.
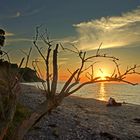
(82, 118)
(34, 86)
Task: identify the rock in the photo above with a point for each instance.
(137, 120)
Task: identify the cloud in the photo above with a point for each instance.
(21, 14)
(25, 13)
(18, 14)
(14, 40)
(11, 16)
(33, 12)
(67, 40)
(63, 60)
(9, 34)
(115, 31)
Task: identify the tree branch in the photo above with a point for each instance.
(95, 80)
(55, 71)
(68, 82)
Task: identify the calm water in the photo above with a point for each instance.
(102, 91)
(121, 92)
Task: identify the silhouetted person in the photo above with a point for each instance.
(2, 39)
(112, 102)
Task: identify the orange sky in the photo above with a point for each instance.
(103, 68)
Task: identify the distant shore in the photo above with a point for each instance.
(83, 119)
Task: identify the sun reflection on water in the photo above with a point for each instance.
(102, 92)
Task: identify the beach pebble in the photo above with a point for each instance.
(83, 119)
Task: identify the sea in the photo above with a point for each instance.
(103, 91)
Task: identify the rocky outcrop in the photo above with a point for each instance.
(28, 74)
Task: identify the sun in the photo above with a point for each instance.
(102, 74)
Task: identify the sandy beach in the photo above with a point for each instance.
(82, 119)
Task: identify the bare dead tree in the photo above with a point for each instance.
(72, 84)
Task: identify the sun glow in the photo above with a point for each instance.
(102, 74)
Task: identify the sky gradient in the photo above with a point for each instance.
(86, 23)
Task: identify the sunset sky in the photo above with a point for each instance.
(87, 23)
